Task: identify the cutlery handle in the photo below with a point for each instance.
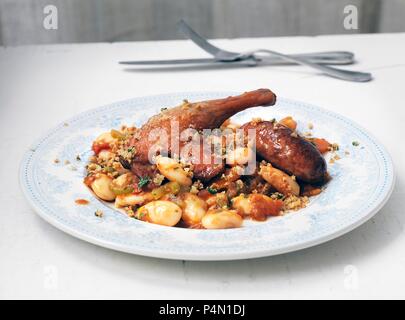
(334, 58)
(334, 55)
(333, 72)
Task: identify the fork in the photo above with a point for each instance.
(254, 56)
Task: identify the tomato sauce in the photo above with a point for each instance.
(82, 202)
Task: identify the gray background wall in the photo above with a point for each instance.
(123, 20)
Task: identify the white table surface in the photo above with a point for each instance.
(40, 86)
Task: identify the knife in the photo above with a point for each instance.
(264, 60)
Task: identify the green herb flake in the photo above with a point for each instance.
(109, 169)
(277, 196)
(212, 190)
(355, 143)
(143, 182)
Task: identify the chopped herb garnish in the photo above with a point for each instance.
(277, 195)
(78, 158)
(212, 190)
(130, 149)
(163, 109)
(355, 143)
(143, 182)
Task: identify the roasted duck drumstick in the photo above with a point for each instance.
(199, 115)
(286, 150)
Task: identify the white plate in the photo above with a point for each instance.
(362, 182)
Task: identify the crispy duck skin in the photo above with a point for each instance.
(284, 149)
(199, 115)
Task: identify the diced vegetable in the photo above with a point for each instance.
(321, 144)
(289, 122)
(263, 206)
(168, 188)
(257, 206)
(119, 191)
(98, 147)
(117, 134)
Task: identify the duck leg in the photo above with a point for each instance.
(199, 115)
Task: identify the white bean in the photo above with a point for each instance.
(239, 156)
(194, 209)
(242, 204)
(173, 171)
(222, 219)
(101, 187)
(165, 213)
(105, 155)
(123, 180)
(124, 200)
(281, 181)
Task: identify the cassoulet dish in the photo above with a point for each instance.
(191, 166)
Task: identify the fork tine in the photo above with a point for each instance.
(200, 41)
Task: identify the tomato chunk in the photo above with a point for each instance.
(98, 147)
(263, 206)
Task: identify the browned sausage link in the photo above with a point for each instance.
(285, 150)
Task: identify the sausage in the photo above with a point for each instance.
(284, 149)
